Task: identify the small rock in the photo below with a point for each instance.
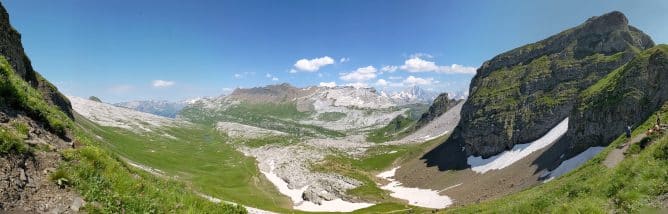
(22, 175)
(77, 203)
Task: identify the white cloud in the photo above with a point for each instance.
(238, 76)
(417, 64)
(389, 68)
(456, 69)
(360, 75)
(272, 77)
(292, 71)
(411, 81)
(162, 83)
(344, 59)
(381, 82)
(358, 85)
(328, 84)
(312, 65)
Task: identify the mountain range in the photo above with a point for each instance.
(543, 130)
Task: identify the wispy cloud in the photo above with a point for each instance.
(344, 59)
(389, 68)
(162, 83)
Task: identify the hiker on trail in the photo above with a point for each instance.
(658, 119)
(628, 131)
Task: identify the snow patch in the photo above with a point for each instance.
(573, 163)
(519, 151)
(336, 205)
(415, 196)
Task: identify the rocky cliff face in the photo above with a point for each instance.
(12, 49)
(627, 96)
(517, 96)
(440, 105)
(32, 133)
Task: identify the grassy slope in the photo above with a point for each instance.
(201, 157)
(280, 117)
(105, 182)
(632, 186)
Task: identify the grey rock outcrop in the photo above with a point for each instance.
(627, 96)
(441, 104)
(517, 96)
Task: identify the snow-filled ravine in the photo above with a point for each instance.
(573, 163)
(519, 151)
(415, 196)
(336, 205)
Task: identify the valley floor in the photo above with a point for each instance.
(280, 173)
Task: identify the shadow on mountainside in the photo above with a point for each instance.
(449, 155)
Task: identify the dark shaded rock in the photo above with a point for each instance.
(440, 105)
(626, 97)
(12, 49)
(94, 98)
(517, 96)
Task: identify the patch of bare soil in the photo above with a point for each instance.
(25, 186)
(465, 186)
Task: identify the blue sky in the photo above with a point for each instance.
(125, 50)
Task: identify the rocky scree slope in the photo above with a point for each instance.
(625, 97)
(157, 107)
(441, 104)
(517, 96)
(34, 124)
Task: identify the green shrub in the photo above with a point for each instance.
(60, 178)
(21, 127)
(10, 142)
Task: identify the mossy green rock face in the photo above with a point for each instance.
(12, 49)
(625, 97)
(517, 96)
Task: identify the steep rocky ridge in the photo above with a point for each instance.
(12, 49)
(517, 96)
(627, 96)
(441, 104)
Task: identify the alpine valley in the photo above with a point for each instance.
(541, 130)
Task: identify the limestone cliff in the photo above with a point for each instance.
(517, 96)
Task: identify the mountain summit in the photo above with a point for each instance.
(519, 95)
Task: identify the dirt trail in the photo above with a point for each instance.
(617, 155)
